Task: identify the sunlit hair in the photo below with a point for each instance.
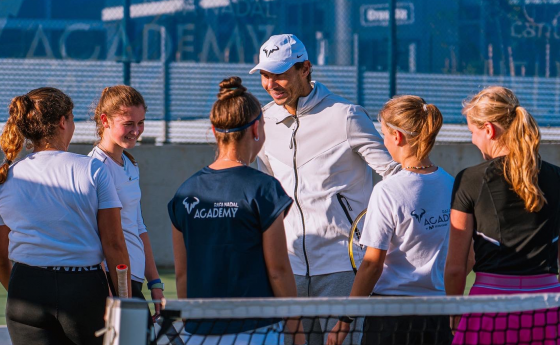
(499, 106)
(111, 103)
(34, 116)
(234, 108)
(418, 121)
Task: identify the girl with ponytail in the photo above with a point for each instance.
(406, 228)
(508, 208)
(119, 118)
(228, 230)
(59, 218)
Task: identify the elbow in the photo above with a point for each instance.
(278, 273)
(454, 272)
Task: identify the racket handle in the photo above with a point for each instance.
(122, 277)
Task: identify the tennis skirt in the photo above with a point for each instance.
(529, 327)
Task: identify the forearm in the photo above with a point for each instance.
(5, 272)
(5, 264)
(455, 280)
(283, 282)
(151, 271)
(181, 282)
(115, 255)
(366, 278)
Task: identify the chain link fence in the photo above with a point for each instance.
(176, 51)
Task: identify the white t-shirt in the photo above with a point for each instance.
(408, 215)
(127, 184)
(50, 202)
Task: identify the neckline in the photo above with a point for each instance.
(123, 156)
(207, 168)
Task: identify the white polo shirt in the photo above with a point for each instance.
(127, 185)
(408, 215)
(50, 202)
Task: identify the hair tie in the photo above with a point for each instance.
(8, 161)
(515, 109)
(425, 107)
(232, 88)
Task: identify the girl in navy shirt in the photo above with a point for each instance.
(228, 232)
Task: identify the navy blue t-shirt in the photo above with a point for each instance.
(222, 215)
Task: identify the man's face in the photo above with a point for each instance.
(287, 87)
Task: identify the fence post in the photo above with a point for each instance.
(392, 49)
(127, 48)
(165, 80)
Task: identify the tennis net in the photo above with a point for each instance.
(497, 319)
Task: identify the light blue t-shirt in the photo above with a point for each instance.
(50, 202)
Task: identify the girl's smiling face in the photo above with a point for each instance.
(125, 128)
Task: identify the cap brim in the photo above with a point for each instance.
(274, 67)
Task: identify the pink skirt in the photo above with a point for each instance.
(528, 327)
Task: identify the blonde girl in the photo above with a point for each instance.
(406, 229)
(509, 209)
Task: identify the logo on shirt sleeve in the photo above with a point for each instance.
(190, 203)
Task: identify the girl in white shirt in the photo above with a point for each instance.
(59, 219)
(406, 229)
(119, 118)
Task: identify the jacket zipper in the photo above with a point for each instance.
(342, 198)
(294, 145)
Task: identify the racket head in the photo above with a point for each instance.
(354, 237)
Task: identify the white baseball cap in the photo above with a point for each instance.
(280, 53)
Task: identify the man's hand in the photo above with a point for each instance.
(338, 333)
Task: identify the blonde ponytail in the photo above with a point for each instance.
(419, 120)
(499, 106)
(521, 165)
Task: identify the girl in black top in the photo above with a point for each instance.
(509, 209)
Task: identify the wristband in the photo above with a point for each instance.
(152, 282)
(157, 286)
(346, 319)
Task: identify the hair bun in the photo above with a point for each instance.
(231, 87)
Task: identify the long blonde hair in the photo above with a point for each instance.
(33, 116)
(499, 106)
(422, 121)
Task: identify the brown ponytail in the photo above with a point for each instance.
(521, 137)
(33, 116)
(111, 102)
(235, 107)
(422, 121)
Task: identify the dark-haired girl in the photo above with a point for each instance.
(59, 218)
(228, 232)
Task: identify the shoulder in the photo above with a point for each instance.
(550, 168)
(98, 154)
(474, 173)
(444, 175)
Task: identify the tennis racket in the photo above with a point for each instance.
(356, 231)
(122, 283)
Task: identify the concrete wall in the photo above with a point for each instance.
(164, 168)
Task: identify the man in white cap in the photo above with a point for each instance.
(322, 148)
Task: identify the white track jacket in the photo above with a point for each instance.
(322, 156)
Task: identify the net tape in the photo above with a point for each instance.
(527, 316)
